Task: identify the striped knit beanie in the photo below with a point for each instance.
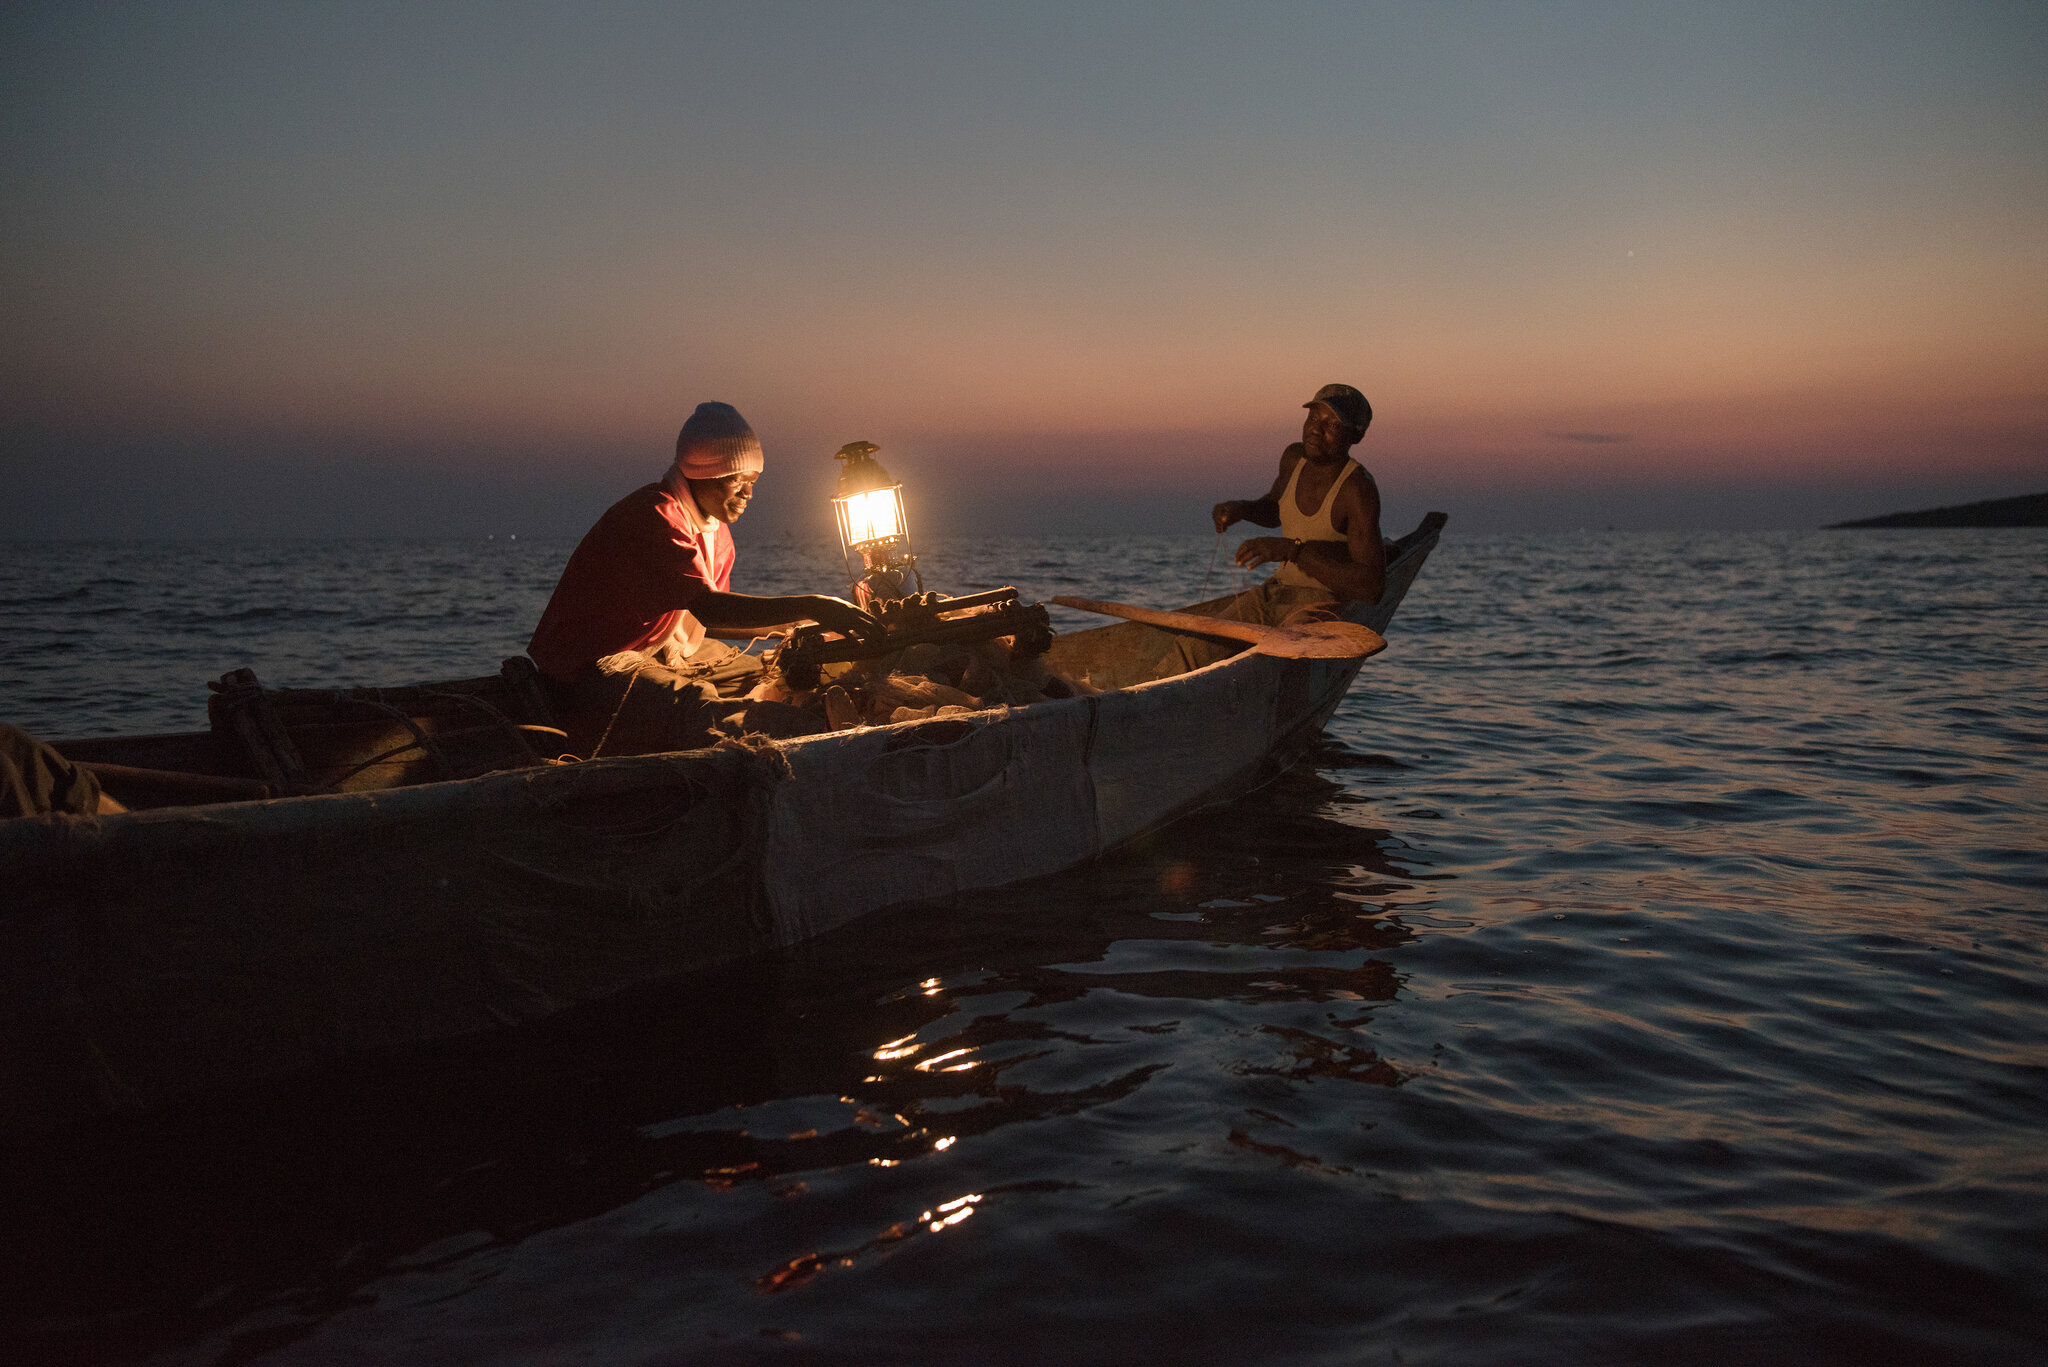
(715, 442)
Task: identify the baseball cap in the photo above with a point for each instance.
(1346, 402)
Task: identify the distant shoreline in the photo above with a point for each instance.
(2028, 510)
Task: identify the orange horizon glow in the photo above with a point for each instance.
(1640, 251)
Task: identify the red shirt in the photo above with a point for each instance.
(631, 578)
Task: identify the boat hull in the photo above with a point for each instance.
(160, 953)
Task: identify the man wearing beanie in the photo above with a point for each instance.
(623, 640)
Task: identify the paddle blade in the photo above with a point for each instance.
(1322, 641)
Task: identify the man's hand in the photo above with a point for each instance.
(1225, 513)
(836, 614)
(1267, 550)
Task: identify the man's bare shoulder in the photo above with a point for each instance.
(1357, 497)
(1294, 454)
(1289, 458)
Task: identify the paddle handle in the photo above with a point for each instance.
(1331, 640)
(1253, 632)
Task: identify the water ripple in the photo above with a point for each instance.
(1646, 968)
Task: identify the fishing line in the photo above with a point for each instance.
(1214, 551)
(630, 678)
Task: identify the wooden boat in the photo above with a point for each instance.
(214, 936)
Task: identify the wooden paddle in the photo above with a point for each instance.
(1308, 641)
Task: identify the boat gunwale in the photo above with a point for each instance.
(1417, 546)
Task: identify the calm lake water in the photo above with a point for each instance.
(1648, 967)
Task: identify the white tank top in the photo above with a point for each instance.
(1315, 526)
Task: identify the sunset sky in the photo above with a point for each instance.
(364, 268)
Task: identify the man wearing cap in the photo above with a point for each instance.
(623, 641)
(1329, 549)
(1327, 509)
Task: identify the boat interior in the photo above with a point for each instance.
(274, 742)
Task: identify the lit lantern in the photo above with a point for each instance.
(869, 508)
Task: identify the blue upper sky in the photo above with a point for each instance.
(1739, 264)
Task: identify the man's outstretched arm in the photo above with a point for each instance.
(744, 610)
